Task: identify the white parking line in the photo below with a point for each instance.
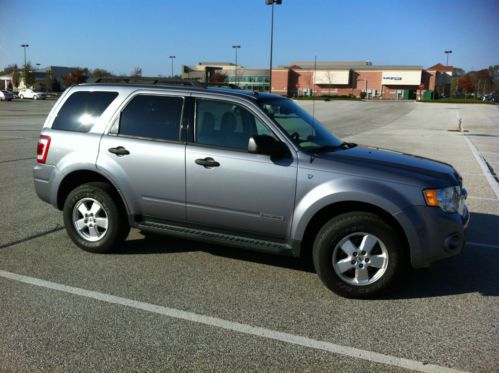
(479, 158)
(234, 326)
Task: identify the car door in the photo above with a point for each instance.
(229, 189)
(145, 157)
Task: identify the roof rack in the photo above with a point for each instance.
(147, 80)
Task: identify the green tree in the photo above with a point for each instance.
(29, 77)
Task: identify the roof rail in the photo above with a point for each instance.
(146, 80)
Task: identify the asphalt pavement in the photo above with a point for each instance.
(163, 304)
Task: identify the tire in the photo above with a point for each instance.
(35, 97)
(348, 270)
(21, 97)
(94, 219)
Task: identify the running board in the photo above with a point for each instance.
(244, 242)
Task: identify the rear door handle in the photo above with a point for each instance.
(207, 162)
(119, 151)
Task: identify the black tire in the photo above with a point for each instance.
(117, 224)
(354, 227)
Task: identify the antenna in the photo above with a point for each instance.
(313, 88)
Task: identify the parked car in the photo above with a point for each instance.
(29, 93)
(491, 97)
(6, 95)
(244, 169)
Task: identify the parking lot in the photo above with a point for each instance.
(162, 304)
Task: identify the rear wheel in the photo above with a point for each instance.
(358, 255)
(35, 97)
(93, 218)
(21, 97)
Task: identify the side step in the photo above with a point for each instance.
(274, 247)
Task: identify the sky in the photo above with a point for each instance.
(119, 35)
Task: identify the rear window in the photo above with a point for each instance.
(81, 110)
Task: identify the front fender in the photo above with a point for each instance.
(391, 197)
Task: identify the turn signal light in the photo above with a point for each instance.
(42, 149)
(431, 197)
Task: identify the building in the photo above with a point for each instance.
(43, 77)
(353, 78)
(255, 79)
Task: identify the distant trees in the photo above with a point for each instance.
(137, 72)
(29, 77)
(478, 83)
(218, 77)
(76, 76)
(100, 73)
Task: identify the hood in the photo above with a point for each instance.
(401, 167)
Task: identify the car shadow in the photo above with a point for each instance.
(473, 271)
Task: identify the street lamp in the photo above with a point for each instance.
(361, 79)
(272, 2)
(24, 46)
(172, 57)
(236, 47)
(447, 55)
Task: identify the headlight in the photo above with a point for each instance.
(447, 198)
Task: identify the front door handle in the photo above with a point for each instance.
(207, 162)
(119, 151)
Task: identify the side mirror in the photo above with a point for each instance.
(264, 144)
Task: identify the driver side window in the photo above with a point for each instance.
(225, 124)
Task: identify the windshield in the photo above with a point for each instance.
(302, 129)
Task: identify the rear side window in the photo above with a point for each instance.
(156, 117)
(81, 110)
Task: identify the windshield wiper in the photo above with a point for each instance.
(329, 148)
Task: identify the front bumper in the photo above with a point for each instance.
(433, 234)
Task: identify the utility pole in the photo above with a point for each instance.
(236, 47)
(25, 46)
(172, 57)
(447, 55)
(272, 2)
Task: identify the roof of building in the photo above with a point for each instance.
(440, 67)
(308, 64)
(321, 66)
(216, 63)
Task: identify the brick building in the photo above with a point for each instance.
(354, 77)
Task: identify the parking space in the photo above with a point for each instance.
(442, 317)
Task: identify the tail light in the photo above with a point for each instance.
(42, 149)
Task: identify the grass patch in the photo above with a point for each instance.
(458, 101)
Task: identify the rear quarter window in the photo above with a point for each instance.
(81, 110)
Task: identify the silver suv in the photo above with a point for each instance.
(248, 170)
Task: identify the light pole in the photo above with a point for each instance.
(24, 46)
(172, 57)
(272, 2)
(236, 47)
(361, 79)
(447, 55)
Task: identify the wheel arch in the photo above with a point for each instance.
(80, 177)
(334, 209)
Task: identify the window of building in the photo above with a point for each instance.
(156, 117)
(227, 125)
(81, 110)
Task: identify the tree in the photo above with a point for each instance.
(77, 76)
(9, 69)
(137, 72)
(218, 77)
(29, 77)
(466, 83)
(100, 73)
(16, 76)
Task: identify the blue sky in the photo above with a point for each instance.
(119, 35)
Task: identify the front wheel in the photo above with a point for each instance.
(21, 97)
(35, 97)
(93, 218)
(358, 255)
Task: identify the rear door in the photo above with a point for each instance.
(144, 155)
